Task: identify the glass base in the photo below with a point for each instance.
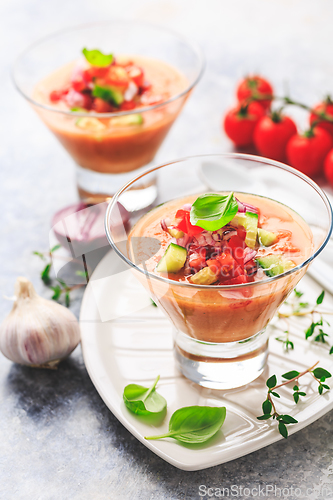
(224, 365)
(96, 187)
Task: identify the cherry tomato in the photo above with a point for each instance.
(255, 86)
(307, 152)
(239, 123)
(327, 108)
(272, 134)
(328, 167)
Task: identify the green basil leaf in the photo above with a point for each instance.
(290, 375)
(213, 211)
(194, 424)
(143, 400)
(97, 58)
(264, 417)
(320, 372)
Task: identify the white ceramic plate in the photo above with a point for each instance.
(125, 339)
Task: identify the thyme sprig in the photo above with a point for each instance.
(299, 308)
(59, 287)
(268, 406)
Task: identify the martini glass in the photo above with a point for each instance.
(107, 156)
(220, 332)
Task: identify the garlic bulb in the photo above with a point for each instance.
(37, 332)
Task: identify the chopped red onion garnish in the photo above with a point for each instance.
(163, 225)
(249, 254)
(251, 208)
(187, 207)
(241, 207)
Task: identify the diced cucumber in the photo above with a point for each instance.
(127, 120)
(173, 259)
(275, 264)
(108, 94)
(251, 227)
(92, 124)
(204, 277)
(266, 238)
(249, 221)
(175, 233)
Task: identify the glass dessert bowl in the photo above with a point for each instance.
(110, 92)
(220, 253)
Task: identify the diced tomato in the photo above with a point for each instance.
(237, 281)
(79, 85)
(250, 267)
(56, 95)
(94, 72)
(214, 265)
(237, 245)
(144, 87)
(198, 260)
(87, 101)
(136, 74)
(185, 225)
(117, 77)
(102, 106)
(241, 232)
(127, 106)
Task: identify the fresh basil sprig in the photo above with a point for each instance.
(194, 424)
(96, 58)
(212, 211)
(142, 400)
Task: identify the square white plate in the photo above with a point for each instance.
(125, 339)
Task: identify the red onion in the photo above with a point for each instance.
(80, 227)
(228, 233)
(187, 207)
(241, 207)
(163, 225)
(251, 208)
(249, 254)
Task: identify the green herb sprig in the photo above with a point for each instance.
(298, 308)
(194, 424)
(58, 286)
(268, 406)
(213, 211)
(96, 58)
(143, 400)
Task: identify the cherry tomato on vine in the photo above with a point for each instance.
(327, 108)
(307, 152)
(328, 167)
(239, 122)
(255, 86)
(272, 134)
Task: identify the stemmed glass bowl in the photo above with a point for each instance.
(220, 334)
(107, 156)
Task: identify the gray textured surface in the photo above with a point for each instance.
(57, 438)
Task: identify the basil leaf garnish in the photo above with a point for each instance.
(108, 94)
(97, 58)
(212, 211)
(194, 424)
(143, 401)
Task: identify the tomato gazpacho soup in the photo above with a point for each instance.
(211, 245)
(103, 83)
